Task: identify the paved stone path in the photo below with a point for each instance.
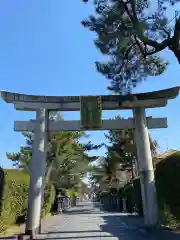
(88, 222)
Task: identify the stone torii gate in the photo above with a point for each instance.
(90, 108)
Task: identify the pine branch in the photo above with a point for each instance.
(147, 41)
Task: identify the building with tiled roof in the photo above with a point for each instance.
(166, 154)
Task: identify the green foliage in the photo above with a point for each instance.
(168, 188)
(132, 191)
(121, 146)
(67, 160)
(22, 159)
(14, 197)
(68, 192)
(118, 167)
(49, 198)
(132, 34)
(168, 219)
(71, 193)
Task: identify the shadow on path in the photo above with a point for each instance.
(9, 237)
(128, 227)
(76, 237)
(68, 232)
(113, 226)
(80, 212)
(87, 221)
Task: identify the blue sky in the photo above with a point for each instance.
(45, 50)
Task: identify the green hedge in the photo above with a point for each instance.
(71, 193)
(168, 189)
(13, 196)
(49, 198)
(68, 192)
(167, 177)
(133, 194)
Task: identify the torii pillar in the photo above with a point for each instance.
(146, 170)
(37, 169)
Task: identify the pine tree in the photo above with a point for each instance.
(67, 159)
(132, 33)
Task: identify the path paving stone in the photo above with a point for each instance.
(87, 221)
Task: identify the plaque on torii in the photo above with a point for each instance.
(90, 113)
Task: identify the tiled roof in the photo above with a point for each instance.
(167, 153)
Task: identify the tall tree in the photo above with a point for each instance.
(117, 168)
(22, 159)
(122, 147)
(67, 159)
(122, 142)
(133, 33)
(108, 173)
(101, 175)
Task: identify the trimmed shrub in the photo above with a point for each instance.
(49, 198)
(71, 193)
(14, 196)
(68, 192)
(167, 177)
(72, 196)
(168, 189)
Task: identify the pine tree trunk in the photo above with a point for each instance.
(177, 54)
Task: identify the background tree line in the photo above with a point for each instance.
(120, 165)
(67, 157)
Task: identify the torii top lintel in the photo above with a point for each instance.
(122, 100)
